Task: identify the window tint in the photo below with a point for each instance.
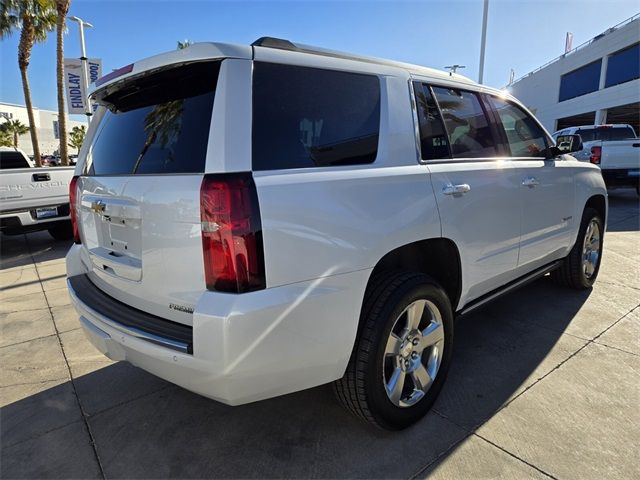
(12, 160)
(605, 133)
(158, 124)
(581, 81)
(525, 137)
(308, 117)
(433, 137)
(469, 132)
(623, 66)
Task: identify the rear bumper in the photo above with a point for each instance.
(24, 221)
(621, 177)
(245, 347)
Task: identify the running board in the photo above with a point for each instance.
(509, 287)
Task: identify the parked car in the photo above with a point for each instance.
(323, 220)
(615, 148)
(33, 199)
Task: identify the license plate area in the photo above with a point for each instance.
(113, 235)
(46, 212)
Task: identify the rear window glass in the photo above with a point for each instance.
(157, 124)
(606, 133)
(12, 160)
(469, 131)
(310, 117)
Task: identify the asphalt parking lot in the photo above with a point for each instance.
(545, 383)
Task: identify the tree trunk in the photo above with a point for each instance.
(15, 139)
(27, 39)
(32, 122)
(62, 8)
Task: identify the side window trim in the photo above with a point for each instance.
(413, 82)
(444, 124)
(495, 125)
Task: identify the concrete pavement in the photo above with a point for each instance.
(545, 383)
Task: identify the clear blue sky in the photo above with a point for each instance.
(522, 34)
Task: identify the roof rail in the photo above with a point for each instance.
(283, 44)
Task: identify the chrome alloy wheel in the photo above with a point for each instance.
(413, 353)
(591, 248)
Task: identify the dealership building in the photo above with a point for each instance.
(597, 82)
(46, 127)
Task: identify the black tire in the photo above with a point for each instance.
(571, 272)
(362, 389)
(61, 231)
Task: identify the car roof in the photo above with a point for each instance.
(270, 47)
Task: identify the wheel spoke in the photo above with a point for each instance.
(431, 335)
(395, 385)
(414, 314)
(421, 379)
(393, 345)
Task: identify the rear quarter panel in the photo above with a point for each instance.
(331, 220)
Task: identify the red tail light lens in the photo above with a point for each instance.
(231, 233)
(596, 154)
(73, 198)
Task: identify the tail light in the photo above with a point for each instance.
(73, 198)
(231, 233)
(596, 154)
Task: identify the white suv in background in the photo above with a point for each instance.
(255, 220)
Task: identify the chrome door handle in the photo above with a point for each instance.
(530, 182)
(456, 189)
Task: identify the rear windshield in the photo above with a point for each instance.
(157, 124)
(605, 133)
(12, 160)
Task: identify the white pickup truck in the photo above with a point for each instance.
(251, 221)
(615, 148)
(33, 199)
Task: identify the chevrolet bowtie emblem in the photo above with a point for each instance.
(98, 206)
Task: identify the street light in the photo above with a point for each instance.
(85, 65)
(483, 41)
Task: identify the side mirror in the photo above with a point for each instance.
(569, 143)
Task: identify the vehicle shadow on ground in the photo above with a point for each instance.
(23, 250)
(145, 427)
(624, 207)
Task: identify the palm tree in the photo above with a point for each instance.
(14, 128)
(62, 7)
(77, 137)
(35, 19)
(5, 139)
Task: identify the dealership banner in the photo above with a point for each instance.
(74, 85)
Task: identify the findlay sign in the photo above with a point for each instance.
(74, 84)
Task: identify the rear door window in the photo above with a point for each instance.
(469, 130)
(434, 143)
(157, 124)
(311, 117)
(525, 138)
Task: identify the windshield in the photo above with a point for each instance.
(156, 124)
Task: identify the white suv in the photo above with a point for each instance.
(255, 220)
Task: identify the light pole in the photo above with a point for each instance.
(85, 65)
(483, 41)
